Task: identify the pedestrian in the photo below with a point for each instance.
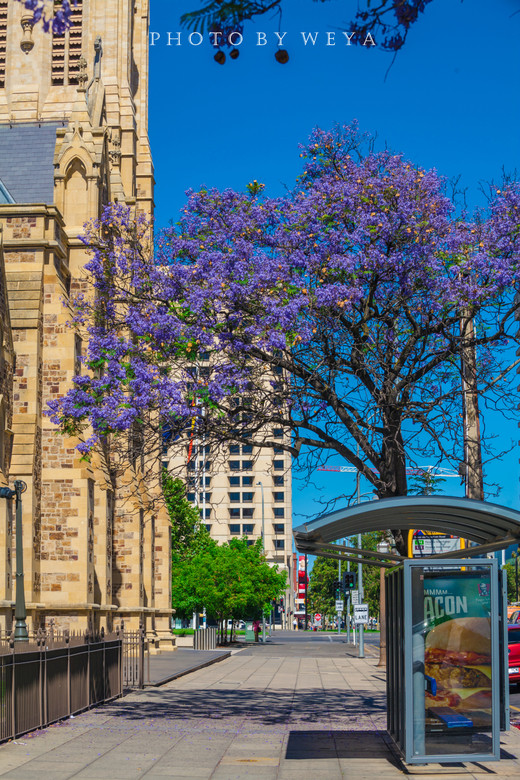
(256, 629)
(295, 624)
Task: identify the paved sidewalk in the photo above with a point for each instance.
(170, 665)
(250, 716)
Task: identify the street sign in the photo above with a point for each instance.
(361, 614)
(317, 617)
(426, 543)
(355, 596)
(340, 606)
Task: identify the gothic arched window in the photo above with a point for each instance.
(76, 194)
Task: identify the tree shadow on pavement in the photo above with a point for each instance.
(371, 744)
(266, 706)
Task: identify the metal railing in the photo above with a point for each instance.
(54, 676)
(205, 639)
(136, 658)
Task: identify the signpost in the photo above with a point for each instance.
(361, 614)
(340, 606)
(355, 597)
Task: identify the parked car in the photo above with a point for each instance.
(239, 624)
(513, 643)
(514, 617)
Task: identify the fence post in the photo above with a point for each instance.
(69, 692)
(119, 635)
(141, 656)
(87, 642)
(102, 633)
(13, 685)
(39, 642)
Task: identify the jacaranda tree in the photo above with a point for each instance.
(338, 313)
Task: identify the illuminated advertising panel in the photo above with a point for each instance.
(453, 660)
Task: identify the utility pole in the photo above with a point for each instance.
(472, 447)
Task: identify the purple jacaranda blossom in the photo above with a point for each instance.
(338, 312)
(54, 17)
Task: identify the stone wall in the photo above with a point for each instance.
(92, 553)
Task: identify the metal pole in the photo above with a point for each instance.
(348, 611)
(306, 579)
(339, 580)
(204, 493)
(360, 574)
(20, 614)
(263, 546)
(516, 572)
(382, 547)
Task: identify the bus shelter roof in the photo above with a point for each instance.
(487, 526)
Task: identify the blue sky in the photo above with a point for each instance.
(449, 101)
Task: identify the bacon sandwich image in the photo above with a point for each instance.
(458, 657)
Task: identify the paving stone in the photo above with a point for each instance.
(248, 716)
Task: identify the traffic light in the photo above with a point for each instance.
(349, 581)
(338, 589)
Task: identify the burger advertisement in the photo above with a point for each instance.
(457, 648)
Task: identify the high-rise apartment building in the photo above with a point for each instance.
(241, 491)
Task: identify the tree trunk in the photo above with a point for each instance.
(393, 471)
(472, 448)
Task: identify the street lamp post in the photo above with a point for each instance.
(20, 614)
(263, 545)
(382, 547)
(361, 632)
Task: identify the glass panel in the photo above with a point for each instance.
(451, 661)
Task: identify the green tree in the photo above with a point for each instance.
(371, 574)
(187, 531)
(424, 483)
(511, 581)
(320, 592)
(233, 581)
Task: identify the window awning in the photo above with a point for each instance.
(489, 526)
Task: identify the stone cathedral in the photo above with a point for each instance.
(73, 136)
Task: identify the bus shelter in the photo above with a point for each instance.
(446, 621)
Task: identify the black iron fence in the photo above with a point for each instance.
(136, 659)
(58, 674)
(54, 676)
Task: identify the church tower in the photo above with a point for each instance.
(73, 137)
